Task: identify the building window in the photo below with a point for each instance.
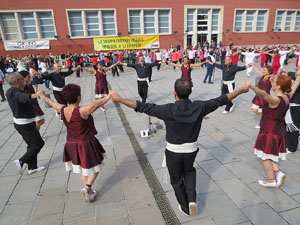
(92, 23)
(287, 20)
(149, 21)
(190, 19)
(215, 20)
(26, 25)
(46, 24)
(10, 27)
(108, 21)
(202, 20)
(250, 20)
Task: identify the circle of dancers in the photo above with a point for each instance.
(279, 113)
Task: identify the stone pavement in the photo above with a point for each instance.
(227, 170)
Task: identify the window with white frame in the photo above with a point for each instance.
(190, 19)
(287, 20)
(250, 20)
(215, 20)
(149, 21)
(92, 23)
(25, 25)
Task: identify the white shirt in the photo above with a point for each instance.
(191, 54)
(250, 56)
(20, 66)
(158, 56)
(298, 53)
(167, 54)
(282, 58)
(43, 67)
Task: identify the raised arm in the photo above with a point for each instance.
(87, 110)
(176, 65)
(268, 53)
(53, 104)
(295, 85)
(124, 64)
(243, 89)
(260, 73)
(197, 64)
(89, 70)
(272, 100)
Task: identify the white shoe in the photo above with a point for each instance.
(225, 112)
(103, 109)
(280, 179)
(232, 107)
(57, 114)
(193, 209)
(18, 165)
(182, 210)
(93, 196)
(85, 195)
(268, 184)
(38, 169)
(257, 127)
(248, 75)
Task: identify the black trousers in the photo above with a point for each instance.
(143, 90)
(226, 91)
(292, 137)
(34, 143)
(59, 98)
(115, 70)
(150, 74)
(183, 177)
(77, 71)
(2, 92)
(158, 66)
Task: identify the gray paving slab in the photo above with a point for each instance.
(202, 221)
(48, 220)
(239, 193)
(220, 207)
(17, 213)
(90, 221)
(263, 214)
(147, 215)
(296, 197)
(292, 216)
(275, 198)
(223, 155)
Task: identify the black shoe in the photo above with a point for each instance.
(210, 82)
(204, 81)
(3, 100)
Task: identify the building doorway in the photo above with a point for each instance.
(201, 38)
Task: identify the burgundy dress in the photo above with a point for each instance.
(101, 89)
(186, 73)
(39, 114)
(270, 142)
(83, 152)
(265, 85)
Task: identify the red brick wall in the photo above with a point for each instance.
(86, 45)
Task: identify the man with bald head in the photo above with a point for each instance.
(143, 70)
(24, 122)
(57, 79)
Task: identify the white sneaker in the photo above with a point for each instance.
(179, 206)
(38, 169)
(18, 165)
(257, 127)
(232, 107)
(93, 196)
(103, 109)
(268, 184)
(280, 179)
(57, 114)
(193, 209)
(85, 195)
(225, 112)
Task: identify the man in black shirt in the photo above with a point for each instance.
(292, 135)
(57, 79)
(228, 74)
(143, 70)
(183, 121)
(24, 122)
(76, 60)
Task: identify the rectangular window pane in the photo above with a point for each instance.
(279, 20)
(92, 23)
(249, 20)
(238, 20)
(297, 24)
(261, 20)
(76, 25)
(9, 24)
(108, 21)
(134, 20)
(215, 19)
(28, 25)
(46, 24)
(288, 20)
(190, 19)
(149, 22)
(163, 21)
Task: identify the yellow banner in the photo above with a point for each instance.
(127, 42)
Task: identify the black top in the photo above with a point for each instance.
(296, 96)
(228, 72)
(76, 59)
(57, 79)
(142, 71)
(20, 103)
(183, 118)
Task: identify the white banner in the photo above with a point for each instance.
(26, 45)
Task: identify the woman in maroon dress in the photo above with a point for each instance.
(264, 83)
(101, 89)
(186, 68)
(270, 142)
(39, 114)
(83, 153)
